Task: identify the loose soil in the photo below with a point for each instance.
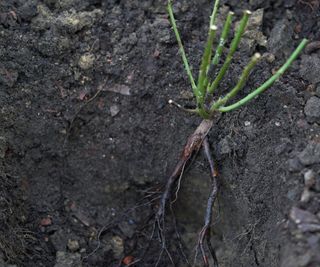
(86, 134)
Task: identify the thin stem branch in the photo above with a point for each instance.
(223, 38)
(206, 58)
(242, 81)
(269, 82)
(181, 49)
(205, 63)
(233, 48)
(214, 12)
(215, 59)
(172, 102)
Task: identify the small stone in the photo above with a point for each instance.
(117, 88)
(161, 27)
(186, 94)
(247, 123)
(312, 47)
(253, 35)
(311, 154)
(156, 53)
(306, 195)
(73, 245)
(224, 146)
(294, 165)
(309, 178)
(86, 61)
(310, 68)
(300, 216)
(311, 88)
(269, 57)
(73, 22)
(280, 38)
(289, 14)
(117, 246)
(114, 110)
(312, 108)
(59, 240)
(28, 10)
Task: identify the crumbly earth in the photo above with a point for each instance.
(86, 133)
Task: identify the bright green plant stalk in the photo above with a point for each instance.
(269, 82)
(242, 81)
(181, 49)
(233, 48)
(214, 12)
(205, 62)
(208, 49)
(223, 38)
(215, 59)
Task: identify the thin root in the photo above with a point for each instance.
(204, 234)
(193, 145)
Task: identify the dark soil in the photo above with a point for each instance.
(86, 132)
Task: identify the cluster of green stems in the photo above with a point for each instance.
(205, 85)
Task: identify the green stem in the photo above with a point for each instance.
(205, 63)
(242, 81)
(214, 12)
(223, 38)
(181, 49)
(206, 58)
(269, 82)
(234, 44)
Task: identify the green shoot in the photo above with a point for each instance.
(204, 86)
(223, 38)
(269, 82)
(242, 81)
(181, 48)
(205, 63)
(233, 48)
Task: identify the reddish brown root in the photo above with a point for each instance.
(195, 141)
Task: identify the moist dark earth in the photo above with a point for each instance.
(87, 138)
